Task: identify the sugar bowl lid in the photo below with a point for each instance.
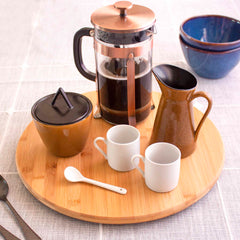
(61, 108)
(123, 17)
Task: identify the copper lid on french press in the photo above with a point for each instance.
(123, 17)
(61, 108)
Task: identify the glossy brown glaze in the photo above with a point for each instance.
(65, 140)
(63, 121)
(174, 122)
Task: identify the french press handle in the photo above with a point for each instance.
(77, 52)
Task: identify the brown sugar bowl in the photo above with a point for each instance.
(63, 122)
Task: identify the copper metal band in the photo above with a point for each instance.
(114, 52)
(131, 90)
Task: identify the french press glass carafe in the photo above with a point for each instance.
(123, 41)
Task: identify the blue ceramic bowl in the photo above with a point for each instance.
(209, 64)
(211, 32)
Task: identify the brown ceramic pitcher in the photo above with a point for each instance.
(174, 122)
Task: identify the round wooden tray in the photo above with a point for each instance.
(42, 174)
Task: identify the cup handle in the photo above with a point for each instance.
(97, 147)
(209, 99)
(138, 168)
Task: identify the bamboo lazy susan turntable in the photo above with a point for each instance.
(42, 174)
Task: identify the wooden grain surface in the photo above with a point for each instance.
(42, 174)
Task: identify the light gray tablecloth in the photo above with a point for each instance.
(36, 58)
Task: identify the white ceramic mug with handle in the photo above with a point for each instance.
(123, 141)
(162, 166)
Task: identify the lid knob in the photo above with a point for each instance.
(123, 6)
(64, 95)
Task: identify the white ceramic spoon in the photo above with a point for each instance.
(73, 175)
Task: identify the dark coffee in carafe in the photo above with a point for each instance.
(112, 88)
(123, 42)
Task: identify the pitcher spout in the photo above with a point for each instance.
(174, 81)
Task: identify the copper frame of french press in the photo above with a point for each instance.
(129, 54)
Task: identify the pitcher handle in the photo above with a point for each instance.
(77, 52)
(209, 99)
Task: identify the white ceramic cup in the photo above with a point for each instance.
(162, 166)
(123, 141)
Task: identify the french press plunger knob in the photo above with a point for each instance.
(123, 6)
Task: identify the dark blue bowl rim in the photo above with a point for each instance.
(208, 43)
(207, 51)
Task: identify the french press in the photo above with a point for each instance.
(123, 41)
